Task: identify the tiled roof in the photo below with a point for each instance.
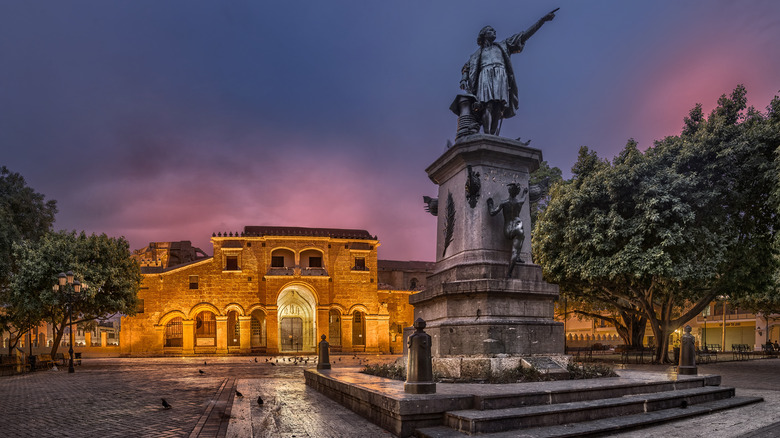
(336, 233)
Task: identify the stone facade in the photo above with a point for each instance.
(269, 290)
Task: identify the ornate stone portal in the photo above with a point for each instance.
(482, 317)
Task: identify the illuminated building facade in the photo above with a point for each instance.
(271, 290)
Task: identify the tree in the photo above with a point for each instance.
(103, 262)
(660, 234)
(24, 215)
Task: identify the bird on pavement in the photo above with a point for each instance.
(255, 359)
(273, 364)
(238, 393)
(260, 400)
(165, 404)
(201, 371)
(204, 363)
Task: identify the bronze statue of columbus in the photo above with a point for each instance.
(488, 75)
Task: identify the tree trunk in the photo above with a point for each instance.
(59, 332)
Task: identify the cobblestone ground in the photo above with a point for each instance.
(122, 398)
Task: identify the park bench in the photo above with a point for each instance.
(10, 365)
(580, 353)
(706, 356)
(637, 353)
(741, 351)
(44, 361)
(713, 347)
(60, 357)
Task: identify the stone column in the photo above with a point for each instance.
(245, 331)
(87, 339)
(188, 336)
(222, 334)
(272, 331)
(103, 339)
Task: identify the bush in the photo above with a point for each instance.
(588, 371)
(389, 371)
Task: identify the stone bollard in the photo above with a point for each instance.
(419, 369)
(687, 365)
(323, 360)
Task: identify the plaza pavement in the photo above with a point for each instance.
(121, 398)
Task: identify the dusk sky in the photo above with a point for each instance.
(170, 120)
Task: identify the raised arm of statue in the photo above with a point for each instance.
(520, 38)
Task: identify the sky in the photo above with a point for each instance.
(166, 121)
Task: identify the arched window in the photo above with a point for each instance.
(173, 333)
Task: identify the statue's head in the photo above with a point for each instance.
(486, 34)
(514, 189)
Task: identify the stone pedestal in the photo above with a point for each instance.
(480, 321)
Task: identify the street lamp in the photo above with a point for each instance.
(71, 293)
(705, 332)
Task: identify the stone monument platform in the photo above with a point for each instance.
(543, 409)
(483, 318)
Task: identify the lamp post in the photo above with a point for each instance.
(63, 280)
(705, 333)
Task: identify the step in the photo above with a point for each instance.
(601, 426)
(496, 420)
(566, 395)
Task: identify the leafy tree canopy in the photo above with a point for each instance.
(24, 214)
(661, 233)
(103, 262)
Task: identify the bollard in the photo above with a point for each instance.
(419, 369)
(323, 360)
(687, 365)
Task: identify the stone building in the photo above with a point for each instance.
(271, 290)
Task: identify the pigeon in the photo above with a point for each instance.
(273, 364)
(260, 400)
(684, 404)
(255, 359)
(266, 359)
(238, 393)
(165, 404)
(204, 363)
(201, 371)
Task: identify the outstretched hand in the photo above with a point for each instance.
(550, 16)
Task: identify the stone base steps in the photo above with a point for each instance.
(599, 392)
(603, 425)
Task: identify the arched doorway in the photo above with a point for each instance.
(205, 329)
(297, 327)
(257, 329)
(174, 336)
(358, 331)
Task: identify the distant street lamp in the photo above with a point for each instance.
(705, 332)
(72, 293)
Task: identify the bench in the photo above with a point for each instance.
(741, 351)
(580, 353)
(706, 356)
(10, 365)
(637, 353)
(60, 357)
(44, 361)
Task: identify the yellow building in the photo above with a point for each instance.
(268, 290)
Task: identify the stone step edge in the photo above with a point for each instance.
(500, 414)
(483, 402)
(601, 426)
